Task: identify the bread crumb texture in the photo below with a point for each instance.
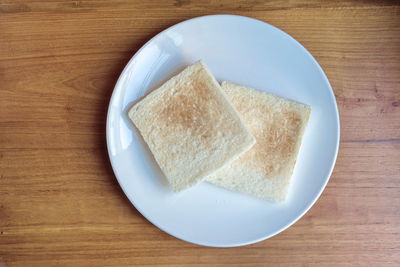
(190, 127)
(278, 125)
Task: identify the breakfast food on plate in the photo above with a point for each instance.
(278, 125)
(190, 127)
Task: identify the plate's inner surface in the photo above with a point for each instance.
(244, 51)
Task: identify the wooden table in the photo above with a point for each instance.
(60, 204)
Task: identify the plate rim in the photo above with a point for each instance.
(235, 244)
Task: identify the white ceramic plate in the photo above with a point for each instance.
(248, 52)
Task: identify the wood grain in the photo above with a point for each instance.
(60, 204)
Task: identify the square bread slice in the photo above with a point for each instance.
(278, 125)
(190, 127)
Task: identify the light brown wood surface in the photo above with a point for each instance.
(60, 204)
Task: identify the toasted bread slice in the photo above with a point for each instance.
(278, 125)
(190, 127)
